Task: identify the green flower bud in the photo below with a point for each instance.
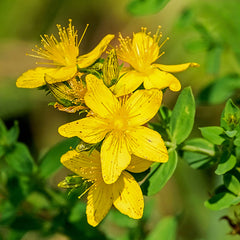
(110, 69)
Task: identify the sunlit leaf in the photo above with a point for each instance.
(226, 164)
(212, 134)
(221, 201)
(231, 181)
(182, 117)
(159, 174)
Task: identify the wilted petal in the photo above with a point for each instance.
(89, 58)
(115, 156)
(99, 98)
(127, 196)
(99, 202)
(128, 82)
(143, 105)
(176, 68)
(89, 129)
(138, 165)
(148, 144)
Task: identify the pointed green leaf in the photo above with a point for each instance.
(221, 201)
(145, 7)
(159, 175)
(231, 181)
(182, 117)
(13, 133)
(166, 229)
(226, 164)
(20, 159)
(212, 134)
(50, 162)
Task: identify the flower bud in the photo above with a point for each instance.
(110, 69)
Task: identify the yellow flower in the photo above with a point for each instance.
(141, 52)
(119, 124)
(125, 194)
(63, 55)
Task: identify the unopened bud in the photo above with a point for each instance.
(110, 69)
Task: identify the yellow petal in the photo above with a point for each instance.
(143, 105)
(176, 68)
(128, 82)
(61, 74)
(99, 98)
(89, 129)
(145, 47)
(33, 78)
(89, 58)
(127, 196)
(138, 165)
(36, 77)
(99, 202)
(161, 80)
(115, 156)
(83, 163)
(148, 144)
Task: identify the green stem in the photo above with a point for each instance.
(198, 149)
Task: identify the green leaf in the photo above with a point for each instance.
(220, 89)
(231, 134)
(226, 164)
(213, 59)
(221, 201)
(145, 7)
(77, 212)
(237, 140)
(20, 159)
(159, 175)
(182, 117)
(8, 212)
(3, 133)
(50, 162)
(230, 118)
(212, 134)
(231, 181)
(166, 229)
(199, 153)
(13, 133)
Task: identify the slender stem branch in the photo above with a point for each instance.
(199, 150)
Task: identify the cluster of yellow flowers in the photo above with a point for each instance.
(117, 101)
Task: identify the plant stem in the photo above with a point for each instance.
(198, 149)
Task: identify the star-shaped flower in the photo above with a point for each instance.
(118, 123)
(125, 194)
(141, 52)
(63, 55)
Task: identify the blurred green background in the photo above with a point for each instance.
(206, 32)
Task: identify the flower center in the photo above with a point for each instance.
(141, 51)
(120, 120)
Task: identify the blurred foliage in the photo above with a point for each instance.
(218, 35)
